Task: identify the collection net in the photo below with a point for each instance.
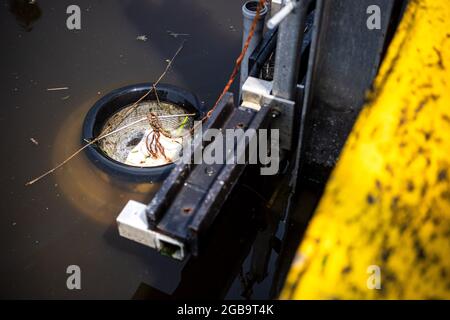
(153, 133)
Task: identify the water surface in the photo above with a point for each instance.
(69, 217)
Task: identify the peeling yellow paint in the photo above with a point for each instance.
(388, 200)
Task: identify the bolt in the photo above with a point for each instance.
(209, 171)
(275, 113)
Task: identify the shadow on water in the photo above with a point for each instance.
(27, 12)
(211, 275)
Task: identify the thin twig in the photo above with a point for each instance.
(135, 105)
(104, 134)
(140, 120)
(157, 96)
(57, 89)
(89, 143)
(29, 183)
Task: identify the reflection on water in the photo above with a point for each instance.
(103, 197)
(26, 12)
(211, 275)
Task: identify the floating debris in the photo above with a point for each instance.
(104, 135)
(65, 97)
(57, 89)
(34, 141)
(142, 38)
(176, 35)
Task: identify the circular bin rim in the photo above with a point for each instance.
(118, 99)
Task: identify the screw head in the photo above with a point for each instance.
(209, 171)
(275, 113)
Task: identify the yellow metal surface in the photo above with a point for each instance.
(387, 204)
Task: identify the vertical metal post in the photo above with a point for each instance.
(249, 13)
(287, 59)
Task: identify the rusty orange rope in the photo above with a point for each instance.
(237, 65)
(154, 146)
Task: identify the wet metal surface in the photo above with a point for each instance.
(69, 217)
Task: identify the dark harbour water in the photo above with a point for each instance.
(69, 217)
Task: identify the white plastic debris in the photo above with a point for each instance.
(142, 38)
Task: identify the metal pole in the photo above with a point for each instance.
(287, 59)
(249, 13)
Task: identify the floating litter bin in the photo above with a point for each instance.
(142, 140)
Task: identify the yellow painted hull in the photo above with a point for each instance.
(387, 203)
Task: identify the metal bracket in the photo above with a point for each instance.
(256, 93)
(133, 225)
(188, 202)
